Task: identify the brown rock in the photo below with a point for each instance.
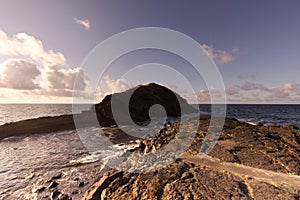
(141, 98)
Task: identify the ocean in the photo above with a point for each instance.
(17, 112)
(281, 114)
(264, 113)
(27, 160)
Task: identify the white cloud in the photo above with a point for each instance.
(19, 75)
(60, 82)
(85, 23)
(109, 85)
(204, 96)
(59, 78)
(258, 93)
(118, 85)
(27, 46)
(31, 72)
(221, 56)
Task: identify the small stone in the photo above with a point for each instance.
(260, 124)
(55, 194)
(75, 192)
(41, 189)
(76, 179)
(57, 176)
(153, 149)
(81, 184)
(53, 184)
(63, 197)
(187, 175)
(30, 176)
(168, 126)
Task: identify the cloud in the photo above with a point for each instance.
(109, 85)
(35, 73)
(252, 86)
(28, 47)
(247, 76)
(85, 23)
(232, 90)
(257, 93)
(60, 82)
(245, 93)
(19, 75)
(204, 96)
(117, 85)
(221, 56)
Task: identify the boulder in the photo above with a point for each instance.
(140, 99)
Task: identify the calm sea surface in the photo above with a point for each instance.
(264, 113)
(17, 112)
(28, 160)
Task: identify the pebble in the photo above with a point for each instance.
(64, 197)
(81, 184)
(55, 194)
(53, 184)
(76, 192)
(57, 176)
(41, 189)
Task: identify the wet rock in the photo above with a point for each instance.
(55, 194)
(76, 192)
(187, 175)
(81, 184)
(273, 148)
(30, 176)
(260, 124)
(64, 197)
(39, 190)
(57, 176)
(158, 140)
(53, 184)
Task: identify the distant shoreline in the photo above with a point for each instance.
(44, 125)
(59, 123)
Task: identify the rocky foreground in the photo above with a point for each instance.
(248, 162)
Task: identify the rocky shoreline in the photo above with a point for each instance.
(44, 125)
(248, 162)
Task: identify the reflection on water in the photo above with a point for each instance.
(26, 163)
(17, 112)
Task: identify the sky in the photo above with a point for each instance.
(44, 45)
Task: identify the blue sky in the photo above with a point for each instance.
(255, 45)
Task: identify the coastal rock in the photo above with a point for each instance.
(163, 137)
(248, 162)
(57, 176)
(53, 184)
(81, 184)
(55, 194)
(64, 197)
(39, 190)
(142, 98)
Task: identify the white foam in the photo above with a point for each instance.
(112, 152)
(251, 123)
